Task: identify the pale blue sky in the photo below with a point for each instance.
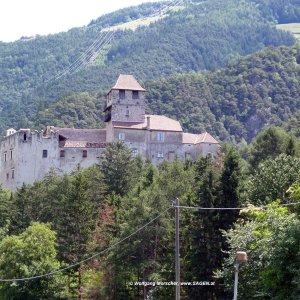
(29, 17)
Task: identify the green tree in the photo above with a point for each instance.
(268, 144)
(149, 255)
(21, 208)
(272, 240)
(272, 178)
(5, 207)
(31, 253)
(76, 221)
(230, 181)
(203, 249)
(118, 168)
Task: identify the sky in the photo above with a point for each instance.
(30, 17)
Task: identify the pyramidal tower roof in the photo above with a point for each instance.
(127, 82)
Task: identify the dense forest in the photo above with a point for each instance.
(233, 103)
(203, 35)
(117, 217)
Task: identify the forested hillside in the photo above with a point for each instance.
(203, 35)
(233, 103)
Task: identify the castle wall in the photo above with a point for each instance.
(22, 158)
(27, 157)
(8, 160)
(209, 149)
(77, 157)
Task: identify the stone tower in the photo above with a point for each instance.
(125, 102)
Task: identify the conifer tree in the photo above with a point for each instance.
(20, 210)
(75, 221)
(204, 252)
(118, 168)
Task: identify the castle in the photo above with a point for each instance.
(27, 156)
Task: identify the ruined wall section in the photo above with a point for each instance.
(28, 156)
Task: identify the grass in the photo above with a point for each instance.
(133, 25)
(294, 28)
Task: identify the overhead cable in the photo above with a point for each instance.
(233, 208)
(87, 259)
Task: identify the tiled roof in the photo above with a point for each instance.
(190, 138)
(81, 144)
(80, 138)
(127, 82)
(159, 123)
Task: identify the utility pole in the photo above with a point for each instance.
(177, 253)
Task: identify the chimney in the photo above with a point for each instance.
(148, 122)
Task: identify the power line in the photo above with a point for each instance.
(233, 208)
(96, 47)
(89, 258)
(99, 43)
(83, 59)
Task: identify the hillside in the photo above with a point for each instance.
(233, 103)
(206, 35)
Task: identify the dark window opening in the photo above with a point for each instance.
(25, 137)
(171, 155)
(135, 95)
(127, 113)
(122, 94)
(188, 155)
(11, 154)
(12, 174)
(7, 176)
(84, 153)
(5, 156)
(62, 153)
(45, 153)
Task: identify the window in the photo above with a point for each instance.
(11, 154)
(7, 176)
(135, 95)
(171, 155)
(25, 137)
(45, 153)
(209, 155)
(5, 156)
(62, 153)
(122, 94)
(84, 153)
(188, 155)
(127, 113)
(121, 136)
(160, 136)
(135, 152)
(160, 155)
(12, 174)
